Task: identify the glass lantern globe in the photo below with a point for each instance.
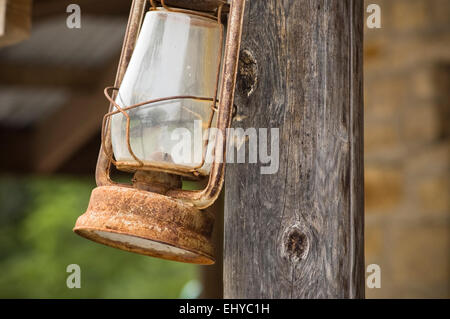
(176, 54)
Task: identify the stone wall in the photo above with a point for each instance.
(407, 148)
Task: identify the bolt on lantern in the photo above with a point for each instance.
(176, 70)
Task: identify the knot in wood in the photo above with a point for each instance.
(247, 73)
(296, 244)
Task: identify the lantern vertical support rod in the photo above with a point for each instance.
(298, 233)
(131, 35)
(204, 198)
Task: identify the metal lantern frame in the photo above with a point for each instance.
(155, 216)
(221, 105)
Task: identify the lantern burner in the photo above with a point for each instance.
(149, 224)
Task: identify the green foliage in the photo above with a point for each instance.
(37, 244)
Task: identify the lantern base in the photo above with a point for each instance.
(147, 223)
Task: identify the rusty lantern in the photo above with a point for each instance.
(177, 70)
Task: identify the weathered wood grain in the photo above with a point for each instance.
(299, 233)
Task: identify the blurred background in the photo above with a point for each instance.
(407, 148)
(51, 105)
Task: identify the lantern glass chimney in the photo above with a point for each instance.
(176, 54)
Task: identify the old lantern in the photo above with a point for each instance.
(176, 74)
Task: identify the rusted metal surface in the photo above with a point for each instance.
(149, 216)
(206, 197)
(156, 182)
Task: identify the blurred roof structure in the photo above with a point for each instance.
(51, 85)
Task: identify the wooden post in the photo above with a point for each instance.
(15, 21)
(299, 233)
(211, 276)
